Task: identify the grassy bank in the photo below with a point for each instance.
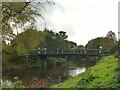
(102, 75)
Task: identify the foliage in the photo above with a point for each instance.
(72, 45)
(6, 84)
(116, 55)
(27, 41)
(23, 45)
(56, 40)
(17, 83)
(63, 34)
(100, 41)
(114, 47)
(31, 39)
(85, 80)
(94, 43)
(103, 75)
(7, 48)
(80, 47)
(107, 42)
(36, 83)
(21, 13)
(111, 35)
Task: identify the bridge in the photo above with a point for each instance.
(63, 53)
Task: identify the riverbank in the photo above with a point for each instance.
(103, 75)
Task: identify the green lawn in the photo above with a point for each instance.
(103, 75)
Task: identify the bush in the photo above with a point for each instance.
(6, 84)
(84, 80)
(17, 83)
(116, 54)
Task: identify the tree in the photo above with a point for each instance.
(55, 40)
(72, 45)
(94, 43)
(63, 34)
(111, 35)
(27, 41)
(115, 47)
(100, 41)
(106, 42)
(81, 47)
(21, 13)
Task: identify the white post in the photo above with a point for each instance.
(100, 49)
(38, 50)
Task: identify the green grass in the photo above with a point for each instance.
(102, 75)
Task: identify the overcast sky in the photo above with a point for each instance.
(83, 20)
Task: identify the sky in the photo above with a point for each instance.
(83, 20)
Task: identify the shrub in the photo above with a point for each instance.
(84, 80)
(7, 84)
(116, 54)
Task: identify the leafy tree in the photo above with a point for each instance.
(115, 47)
(72, 45)
(55, 40)
(111, 35)
(107, 42)
(63, 34)
(80, 47)
(28, 40)
(6, 48)
(104, 42)
(21, 13)
(94, 43)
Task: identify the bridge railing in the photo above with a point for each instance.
(77, 51)
(74, 51)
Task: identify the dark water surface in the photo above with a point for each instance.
(70, 69)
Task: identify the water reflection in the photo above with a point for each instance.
(76, 71)
(70, 69)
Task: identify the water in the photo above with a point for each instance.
(76, 71)
(70, 69)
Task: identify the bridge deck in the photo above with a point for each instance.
(77, 52)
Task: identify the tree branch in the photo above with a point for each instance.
(26, 4)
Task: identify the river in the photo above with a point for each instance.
(55, 74)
